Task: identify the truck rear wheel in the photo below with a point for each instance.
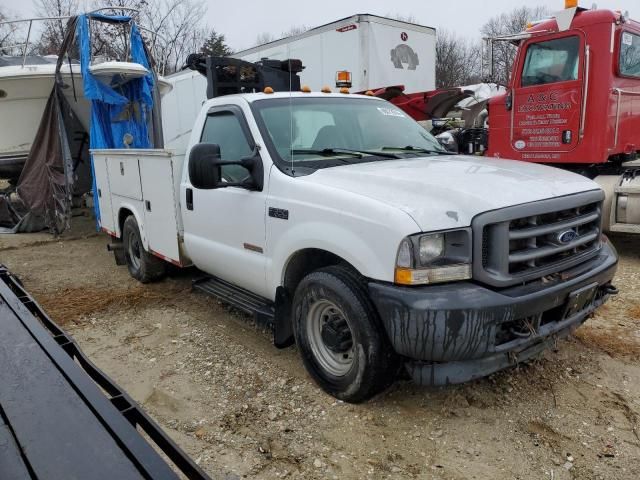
(337, 330)
(143, 266)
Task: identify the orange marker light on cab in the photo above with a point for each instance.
(268, 90)
(305, 89)
(326, 89)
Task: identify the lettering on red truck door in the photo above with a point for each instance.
(548, 99)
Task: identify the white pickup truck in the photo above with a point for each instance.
(342, 222)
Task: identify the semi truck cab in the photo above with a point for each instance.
(574, 93)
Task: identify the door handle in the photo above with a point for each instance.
(189, 195)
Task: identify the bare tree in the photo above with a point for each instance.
(409, 17)
(458, 60)
(53, 31)
(177, 29)
(172, 28)
(7, 33)
(265, 37)
(294, 30)
(503, 52)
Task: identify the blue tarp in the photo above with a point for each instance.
(118, 111)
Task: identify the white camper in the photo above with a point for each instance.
(377, 51)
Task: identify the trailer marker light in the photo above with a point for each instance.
(305, 89)
(326, 89)
(344, 90)
(268, 90)
(570, 3)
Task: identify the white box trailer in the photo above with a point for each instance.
(378, 52)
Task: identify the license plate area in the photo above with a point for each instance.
(580, 300)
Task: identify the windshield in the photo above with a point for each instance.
(320, 132)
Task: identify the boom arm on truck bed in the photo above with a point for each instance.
(60, 416)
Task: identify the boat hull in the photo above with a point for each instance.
(24, 92)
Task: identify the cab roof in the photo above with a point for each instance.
(583, 18)
(252, 97)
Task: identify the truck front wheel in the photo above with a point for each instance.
(143, 266)
(339, 335)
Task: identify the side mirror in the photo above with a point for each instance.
(204, 166)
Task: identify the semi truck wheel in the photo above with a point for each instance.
(143, 266)
(338, 332)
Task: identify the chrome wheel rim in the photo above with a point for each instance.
(330, 337)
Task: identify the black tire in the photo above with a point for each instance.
(142, 266)
(366, 368)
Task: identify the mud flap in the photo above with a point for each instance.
(118, 253)
(282, 324)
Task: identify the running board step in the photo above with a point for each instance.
(242, 299)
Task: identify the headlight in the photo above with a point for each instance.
(431, 247)
(434, 258)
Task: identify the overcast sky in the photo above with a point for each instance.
(241, 22)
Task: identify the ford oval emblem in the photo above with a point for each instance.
(567, 236)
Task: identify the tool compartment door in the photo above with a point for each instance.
(107, 222)
(160, 205)
(124, 176)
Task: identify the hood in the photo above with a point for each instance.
(448, 191)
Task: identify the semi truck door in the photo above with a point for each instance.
(224, 228)
(548, 97)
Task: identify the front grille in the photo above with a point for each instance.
(526, 242)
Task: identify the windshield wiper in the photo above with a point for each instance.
(327, 152)
(412, 149)
(344, 151)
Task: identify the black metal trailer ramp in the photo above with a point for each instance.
(61, 418)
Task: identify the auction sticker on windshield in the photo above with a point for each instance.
(391, 112)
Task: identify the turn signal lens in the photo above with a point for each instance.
(426, 276)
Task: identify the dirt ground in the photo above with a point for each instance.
(244, 409)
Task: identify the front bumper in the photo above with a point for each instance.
(456, 332)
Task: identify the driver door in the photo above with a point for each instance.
(548, 97)
(224, 228)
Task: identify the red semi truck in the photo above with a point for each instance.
(573, 101)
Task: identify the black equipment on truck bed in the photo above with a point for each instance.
(228, 76)
(62, 418)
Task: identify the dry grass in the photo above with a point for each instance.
(72, 304)
(634, 313)
(617, 342)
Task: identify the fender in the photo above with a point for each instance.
(126, 205)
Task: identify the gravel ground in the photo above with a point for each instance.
(244, 409)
